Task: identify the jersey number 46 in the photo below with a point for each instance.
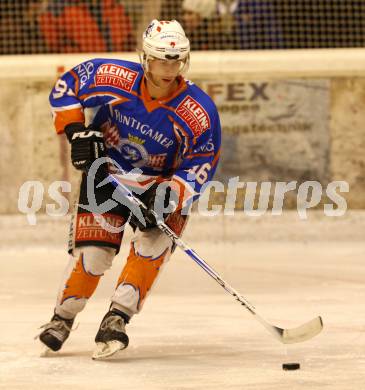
(201, 172)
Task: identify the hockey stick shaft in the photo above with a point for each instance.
(277, 332)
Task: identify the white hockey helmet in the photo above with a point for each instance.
(165, 40)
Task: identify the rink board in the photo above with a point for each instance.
(306, 123)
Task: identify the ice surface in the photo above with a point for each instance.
(191, 334)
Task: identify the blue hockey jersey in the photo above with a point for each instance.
(176, 138)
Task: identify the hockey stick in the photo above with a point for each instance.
(286, 336)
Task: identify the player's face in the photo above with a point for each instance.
(164, 72)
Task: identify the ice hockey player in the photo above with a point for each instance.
(148, 117)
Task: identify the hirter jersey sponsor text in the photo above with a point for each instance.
(115, 76)
(190, 111)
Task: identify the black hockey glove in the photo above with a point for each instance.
(158, 199)
(87, 144)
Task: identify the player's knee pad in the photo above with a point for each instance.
(96, 259)
(151, 243)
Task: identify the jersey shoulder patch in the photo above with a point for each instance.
(117, 73)
(194, 115)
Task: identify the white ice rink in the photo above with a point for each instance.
(191, 334)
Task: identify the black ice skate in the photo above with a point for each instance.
(111, 336)
(56, 332)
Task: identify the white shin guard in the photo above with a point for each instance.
(81, 276)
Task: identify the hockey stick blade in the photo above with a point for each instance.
(294, 335)
(302, 333)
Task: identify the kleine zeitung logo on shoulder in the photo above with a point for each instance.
(190, 111)
(115, 76)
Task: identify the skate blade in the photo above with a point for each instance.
(105, 350)
(47, 352)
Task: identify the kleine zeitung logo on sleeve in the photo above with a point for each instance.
(191, 112)
(115, 76)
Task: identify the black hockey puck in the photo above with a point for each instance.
(291, 366)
